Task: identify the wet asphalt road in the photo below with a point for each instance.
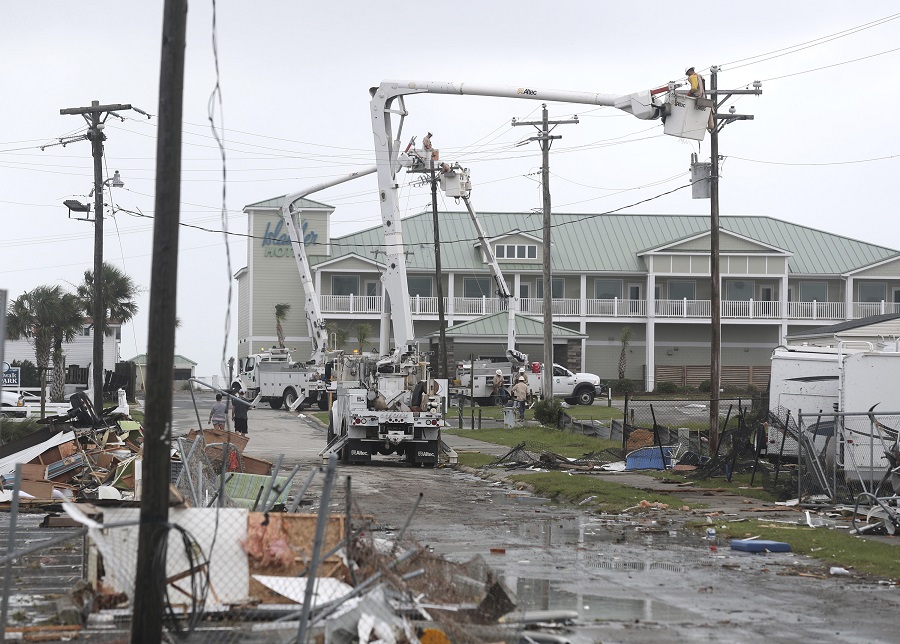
(634, 579)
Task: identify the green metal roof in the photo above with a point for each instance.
(496, 324)
(142, 359)
(278, 202)
(611, 243)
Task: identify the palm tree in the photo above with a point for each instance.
(624, 338)
(119, 291)
(33, 315)
(337, 332)
(69, 321)
(281, 311)
(363, 332)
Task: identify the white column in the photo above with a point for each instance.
(848, 299)
(450, 298)
(650, 356)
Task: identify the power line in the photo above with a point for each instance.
(824, 163)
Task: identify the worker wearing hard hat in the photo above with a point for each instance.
(698, 85)
(521, 377)
(497, 392)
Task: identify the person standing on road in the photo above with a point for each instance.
(520, 395)
(498, 386)
(239, 413)
(217, 414)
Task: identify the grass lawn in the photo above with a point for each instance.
(579, 412)
(554, 440)
(740, 483)
(832, 547)
(474, 459)
(607, 496)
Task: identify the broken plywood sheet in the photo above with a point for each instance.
(266, 552)
(228, 573)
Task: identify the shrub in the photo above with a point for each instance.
(704, 386)
(666, 387)
(547, 411)
(624, 386)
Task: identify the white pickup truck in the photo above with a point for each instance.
(575, 388)
(11, 404)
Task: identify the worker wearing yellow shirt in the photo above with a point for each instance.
(698, 86)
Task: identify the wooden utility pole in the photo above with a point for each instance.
(442, 348)
(719, 121)
(96, 115)
(715, 369)
(146, 623)
(545, 139)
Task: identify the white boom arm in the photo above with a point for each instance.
(315, 323)
(387, 148)
(512, 302)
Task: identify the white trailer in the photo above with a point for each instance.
(822, 384)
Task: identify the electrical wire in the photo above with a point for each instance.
(792, 49)
(809, 164)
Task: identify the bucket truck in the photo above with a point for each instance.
(389, 405)
(580, 388)
(273, 374)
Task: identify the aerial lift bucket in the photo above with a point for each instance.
(687, 117)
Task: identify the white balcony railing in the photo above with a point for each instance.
(865, 309)
(350, 303)
(612, 308)
(815, 310)
(616, 308)
(561, 306)
(683, 308)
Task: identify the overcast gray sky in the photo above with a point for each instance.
(295, 79)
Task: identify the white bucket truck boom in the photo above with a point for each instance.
(375, 409)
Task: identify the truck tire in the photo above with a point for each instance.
(289, 397)
(585, 395)
(236, 386)
(275, 403)
(330, 429)
(323, 403)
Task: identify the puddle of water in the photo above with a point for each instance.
(544, 594)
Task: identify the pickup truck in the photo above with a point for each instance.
(574, 388)
(9, 401)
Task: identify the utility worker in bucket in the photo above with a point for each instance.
(698, 85)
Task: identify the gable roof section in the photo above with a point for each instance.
(496, 324)
(700, 242)
(142, 359)
(612, 243)
(332, 261)
(278, 202)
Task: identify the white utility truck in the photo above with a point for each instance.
(574, 388)
(391, 405)
(280, 381)
(817, 382)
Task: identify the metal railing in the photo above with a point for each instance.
(612, 308)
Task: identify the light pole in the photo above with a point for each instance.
(98, 305)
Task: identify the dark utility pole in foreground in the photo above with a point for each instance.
(442, 348)
(715, 369)
(146, 624)
(95, 115)
(545, 139)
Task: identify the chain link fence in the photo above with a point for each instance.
(235, 565)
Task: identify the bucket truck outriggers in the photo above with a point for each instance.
(390, 405)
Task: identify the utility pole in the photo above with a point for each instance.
(545, 139)
(96, 116)
(719, 121)
(149, 603)
(442, 348)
